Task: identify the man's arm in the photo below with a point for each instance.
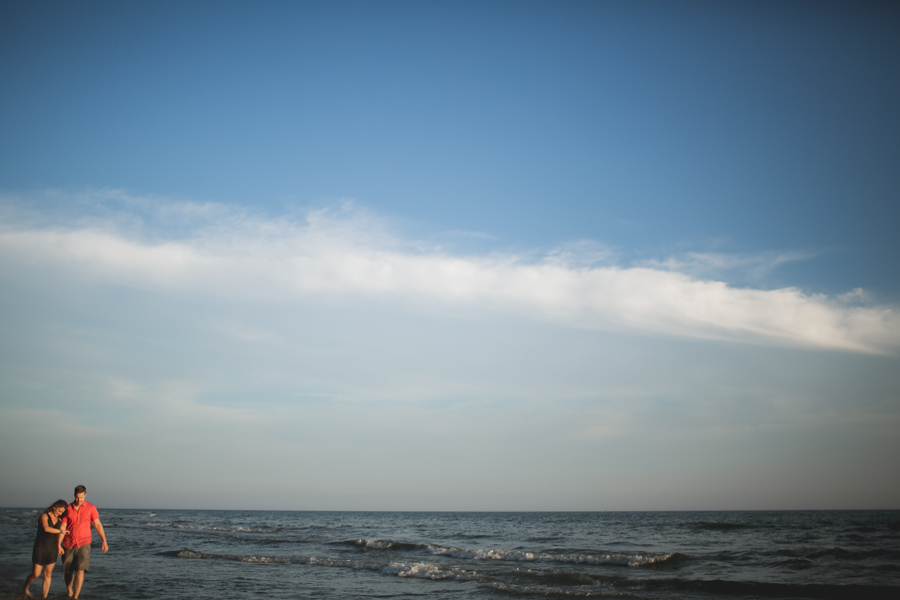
(99, 529)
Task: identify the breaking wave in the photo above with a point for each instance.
(423, 570)
(630, 560)
(263, 560)
(211, 528)
(373, 544)
(417, 570)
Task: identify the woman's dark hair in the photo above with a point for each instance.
(57, 504)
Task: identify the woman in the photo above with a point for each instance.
(46, 546)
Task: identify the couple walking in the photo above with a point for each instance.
(65, 530)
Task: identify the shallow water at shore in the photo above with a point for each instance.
(653, 555)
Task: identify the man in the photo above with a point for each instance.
(76, 546)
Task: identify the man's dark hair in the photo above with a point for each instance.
(80, 489)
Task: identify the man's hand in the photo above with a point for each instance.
(60, 551)
(99, 529)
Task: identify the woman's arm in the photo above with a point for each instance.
(45, 523)
(59, 541)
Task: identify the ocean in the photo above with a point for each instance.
(209, 554)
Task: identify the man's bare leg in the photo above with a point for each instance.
(70, 577)
(35, 573)
(48, 574)
(76, 585)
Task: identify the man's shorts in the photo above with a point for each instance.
(77, 559)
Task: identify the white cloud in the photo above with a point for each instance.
(352, 254)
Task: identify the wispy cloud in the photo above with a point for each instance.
(715, 264)
(350, 253)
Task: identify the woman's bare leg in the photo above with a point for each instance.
(48, 573)
(35, 573)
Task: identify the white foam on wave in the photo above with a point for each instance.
(417, 570)
(630, 560)
(639, 560)
(423, 570)
(377, 544)
(262, 560)
(334, 562)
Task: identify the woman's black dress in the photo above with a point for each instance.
(46, 545)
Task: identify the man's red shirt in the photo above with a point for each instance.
(78, 521)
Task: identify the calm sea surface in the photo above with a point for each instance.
(206, 554)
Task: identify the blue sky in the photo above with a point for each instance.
(454, 256)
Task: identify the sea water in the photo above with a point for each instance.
(206, 554)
